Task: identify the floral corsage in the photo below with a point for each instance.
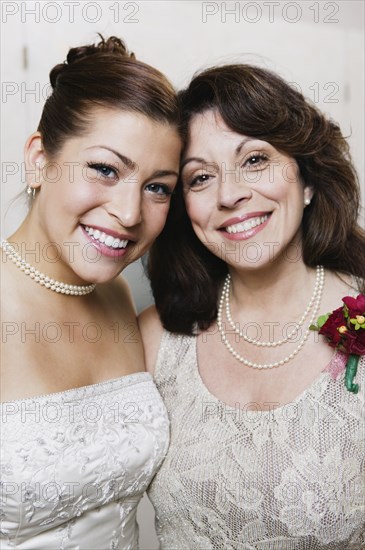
(344, 329)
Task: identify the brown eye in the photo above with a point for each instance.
(255, 159)
(199, 180)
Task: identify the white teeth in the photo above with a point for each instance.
(108, 240)
(247, 225)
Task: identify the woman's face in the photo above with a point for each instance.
(245, 199)
(105, 197)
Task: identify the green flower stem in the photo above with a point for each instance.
(351, 370)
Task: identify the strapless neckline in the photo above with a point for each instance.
(105, 385)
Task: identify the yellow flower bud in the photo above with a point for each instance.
(342, 329)
(360, 319)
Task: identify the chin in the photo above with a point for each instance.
(102, 278)
(96, 274)
(251, 265)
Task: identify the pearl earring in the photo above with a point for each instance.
(31, 191)
(307, 202)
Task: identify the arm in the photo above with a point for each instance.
(151, 331)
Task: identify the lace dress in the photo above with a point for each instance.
(234, 479)
(75, 464)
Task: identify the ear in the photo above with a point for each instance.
(35, 160)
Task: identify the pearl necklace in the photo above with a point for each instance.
(248, 363)
(226, 292)
(40, 278)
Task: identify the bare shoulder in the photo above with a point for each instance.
(151, 330)
(337, 285)
(348, 283)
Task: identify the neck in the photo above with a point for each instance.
(272, 288)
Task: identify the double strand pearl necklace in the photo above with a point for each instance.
(40, 278)
(315, 300)
(226, 291)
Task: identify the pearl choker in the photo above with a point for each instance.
(314, 302)
(40, 278)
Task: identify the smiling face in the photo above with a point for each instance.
(105, 197)
(244, 198)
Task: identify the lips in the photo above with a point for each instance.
(245, 226)
(106, 238)
(109, 242)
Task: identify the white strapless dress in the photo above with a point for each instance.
(75, 464)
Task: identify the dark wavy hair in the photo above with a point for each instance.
(102, 75)
(185, 276)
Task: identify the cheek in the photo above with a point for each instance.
(63, 179)
(79, 193)
(197, 209)
(290, 193)
(155, 219)
(289, 186)
(281, 183)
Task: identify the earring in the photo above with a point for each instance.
(307, 202)
(31, 191)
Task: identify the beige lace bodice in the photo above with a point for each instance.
(233, 479)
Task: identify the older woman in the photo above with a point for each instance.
(267, 447)
(83, 427)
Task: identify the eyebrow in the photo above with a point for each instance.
(243, 142)
(164, 173)
(203, 161)
(192, 159)
(128, 162)
(133, 165)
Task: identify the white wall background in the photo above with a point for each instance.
(319, 45)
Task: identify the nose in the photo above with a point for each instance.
(126, 205)
(233, 188)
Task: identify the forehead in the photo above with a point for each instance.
(130, 133)
(208, 121)
(209, 126)
(208, 131)
(118, 122)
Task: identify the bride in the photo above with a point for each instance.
(83, 426)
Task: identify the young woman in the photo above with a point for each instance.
(267, 443)
(83, 426)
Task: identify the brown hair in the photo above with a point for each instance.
(102, 75)
(252, 101)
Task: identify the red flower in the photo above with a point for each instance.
(356, 306)
(346, 334)
(329, 329)
(354, 342)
